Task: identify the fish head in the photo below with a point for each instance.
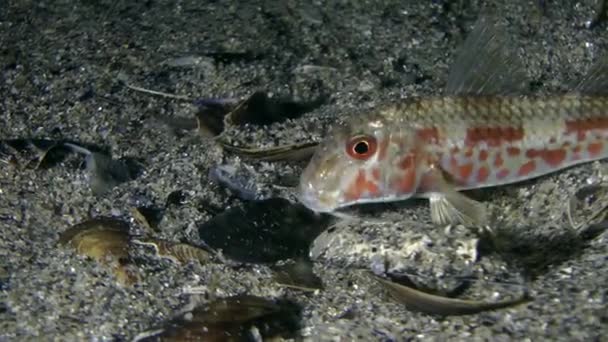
(364, 161)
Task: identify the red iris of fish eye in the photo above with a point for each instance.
(361, 147)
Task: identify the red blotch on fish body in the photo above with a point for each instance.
(482, 174)
(372, 188)
(407, 183)
(576, 152)
(580, 136)
(493, 136)
(483, 155)
(513, 151)
(555, 157)
(429, 135)
(376, 174)
(360, 186)
(594, 149)
(533, 153)
(587, 124)
(407, 162)
(355, 190)
(581, 127)
(498, 161)
(527, 168)
(465, 171)
(502, 174)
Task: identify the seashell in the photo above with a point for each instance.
(261, 110)
(148, 217)
(33, 153)
(210, 117)
(101, 238)
(588, 206)
(237, 318)
(215, 115)
(176, 198)
(264, 231)
(298, 275)
(107, 241)
(127, 274)
(104, 172)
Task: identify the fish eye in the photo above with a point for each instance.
(361, 147)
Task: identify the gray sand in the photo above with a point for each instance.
(62, 62)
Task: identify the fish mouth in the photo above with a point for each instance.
(315, 200)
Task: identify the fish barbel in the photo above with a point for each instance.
(482, 133)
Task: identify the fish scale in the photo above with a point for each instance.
(483, 132)
(534, 136)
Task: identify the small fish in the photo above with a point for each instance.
(483, 132)
(417, 300)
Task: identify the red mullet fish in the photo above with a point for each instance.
(482, 133)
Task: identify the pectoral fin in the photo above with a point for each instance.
(449, 206)
(454, 208)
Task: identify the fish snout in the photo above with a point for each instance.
(319, 187)
(316, 198)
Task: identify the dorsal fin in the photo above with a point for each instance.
(486, 64)
(595, 81)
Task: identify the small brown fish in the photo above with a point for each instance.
(438, 305)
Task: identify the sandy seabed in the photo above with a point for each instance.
(64, 66)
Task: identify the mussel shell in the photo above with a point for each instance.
(148, 217)
(33, 153)
(261, 110)
(100, 238)
(298, 275)
(231, 319)
(263, 231)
